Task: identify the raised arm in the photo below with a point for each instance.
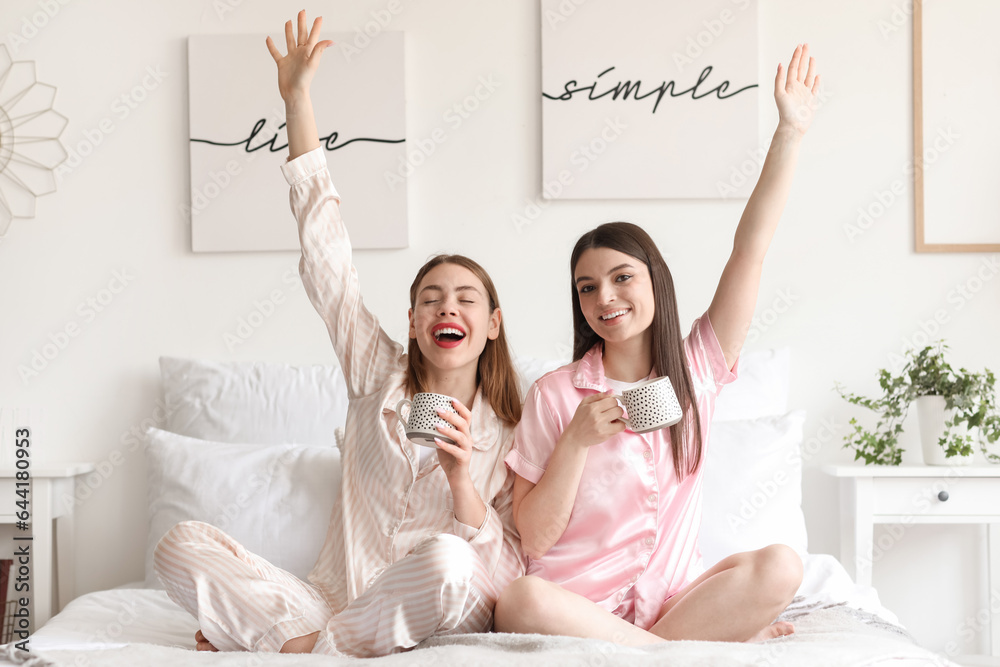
(367, 354)
(295, 75)
(735, 298)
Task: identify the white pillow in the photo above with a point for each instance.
(275, 500)
(762, 388)
(752, 488)
(825, 580)
(264, 403)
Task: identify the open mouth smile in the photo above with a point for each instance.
(448, 334)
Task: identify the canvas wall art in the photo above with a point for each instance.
(239, 199)
(650, 100)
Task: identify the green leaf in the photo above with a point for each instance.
(972, 397)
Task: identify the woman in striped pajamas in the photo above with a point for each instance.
(422, 541)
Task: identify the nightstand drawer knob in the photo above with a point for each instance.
(943, 496)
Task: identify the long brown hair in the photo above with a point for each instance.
(495, 373)
(668, 350)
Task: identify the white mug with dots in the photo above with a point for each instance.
(421, 423)
(650, 406)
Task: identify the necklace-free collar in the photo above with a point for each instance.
(590, 370)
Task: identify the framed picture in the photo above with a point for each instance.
(649, 100)
(956, 60)
(239, 199)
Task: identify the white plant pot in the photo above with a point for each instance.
(932, 416)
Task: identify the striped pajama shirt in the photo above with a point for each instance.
(396, 566)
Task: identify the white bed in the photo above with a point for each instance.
(243, 441)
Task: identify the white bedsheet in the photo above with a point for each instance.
(144, 626)
(825, 580)
(116, 617)
(832, 636)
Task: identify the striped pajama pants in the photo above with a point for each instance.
(244, 603)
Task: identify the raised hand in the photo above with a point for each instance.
(296, 69)
(795, 90)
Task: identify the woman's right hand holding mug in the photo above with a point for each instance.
(597, 418)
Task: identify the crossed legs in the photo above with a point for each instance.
(735, 600)
(244, 603)
(440, 588)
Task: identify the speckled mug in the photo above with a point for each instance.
(423, 419)
(650, 406)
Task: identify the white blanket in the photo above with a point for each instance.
(826, 636)
(837, 623)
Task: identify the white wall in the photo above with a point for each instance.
(853, 302)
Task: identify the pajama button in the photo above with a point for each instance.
(649, 541)
(635, 578)
(646, 454)
(652, 498)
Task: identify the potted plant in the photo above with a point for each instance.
(954, 408)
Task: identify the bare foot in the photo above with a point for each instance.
(777, 629)
(203, 644)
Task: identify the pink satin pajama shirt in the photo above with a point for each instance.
(632, 538)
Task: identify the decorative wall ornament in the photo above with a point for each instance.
(29, 139)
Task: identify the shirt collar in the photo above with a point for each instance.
(485, 423)
(590, 370)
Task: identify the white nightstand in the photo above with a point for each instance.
(917, 494)
(51, 484)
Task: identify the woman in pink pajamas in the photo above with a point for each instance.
(422, 541)
(609, 518)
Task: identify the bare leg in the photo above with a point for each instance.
(303, 644)
(736, 599)
(531, 604)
